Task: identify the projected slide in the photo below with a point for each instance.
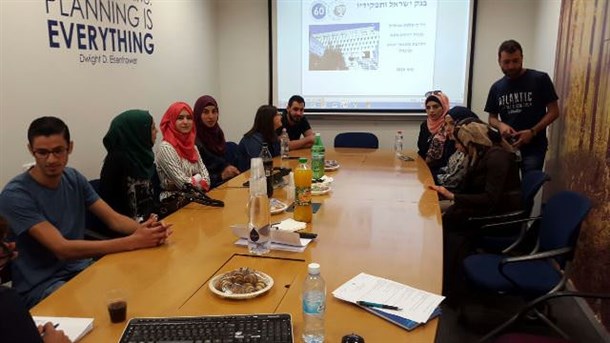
(371, 54)
(347, 54)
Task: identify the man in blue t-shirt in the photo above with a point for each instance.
(521, 105)
(296, 124)
(45, 208)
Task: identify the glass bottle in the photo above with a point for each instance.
(268, 165)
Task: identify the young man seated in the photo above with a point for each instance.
(296, 124)
(45, 208)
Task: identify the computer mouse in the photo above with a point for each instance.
(352, 338)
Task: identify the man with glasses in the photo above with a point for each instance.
(296, 124)
(521, 105)
(45, 208)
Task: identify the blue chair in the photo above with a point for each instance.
(356, 140)
(544, 270)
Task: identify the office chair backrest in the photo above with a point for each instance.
(531, 183)
(356, 140)
(561, 218)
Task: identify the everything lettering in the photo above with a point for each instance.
(89, 37)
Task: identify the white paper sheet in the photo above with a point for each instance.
(415, 304)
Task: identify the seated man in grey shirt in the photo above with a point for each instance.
(45, 208)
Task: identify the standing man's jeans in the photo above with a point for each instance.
(532, 158)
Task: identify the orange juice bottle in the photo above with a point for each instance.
(302, 192)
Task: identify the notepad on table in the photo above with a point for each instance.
(74, 328)
(416, 306)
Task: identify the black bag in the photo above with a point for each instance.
(172, 204)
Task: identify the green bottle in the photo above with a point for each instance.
(317, 158)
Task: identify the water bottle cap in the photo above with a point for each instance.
(314, 268)
(317, 134)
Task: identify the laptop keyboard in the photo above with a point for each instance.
(268, 328)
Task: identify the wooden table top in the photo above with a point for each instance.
(378, 219)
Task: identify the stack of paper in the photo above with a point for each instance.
(415, 305)
(74, 328)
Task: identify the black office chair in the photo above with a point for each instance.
(356, 140)
(95, 229)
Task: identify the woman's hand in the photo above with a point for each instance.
(442, 191)
(229, 172)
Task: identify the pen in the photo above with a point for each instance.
(54, 326)
(370, 304)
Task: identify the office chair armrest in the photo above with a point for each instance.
(496, 218)
(536, 256)
(524, 220)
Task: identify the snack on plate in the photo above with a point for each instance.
(240, 281)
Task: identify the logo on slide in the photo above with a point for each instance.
(318, 10)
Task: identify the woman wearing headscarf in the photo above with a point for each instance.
(125, 179)
(451, 175)
(266, 122)
(491, 186)
(433, 143)
(178, 162)
(211, 142)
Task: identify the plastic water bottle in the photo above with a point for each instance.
(317, 158)
(268, 165)
(284, 147)
(398, 143)
(259, 236)
(314, 305)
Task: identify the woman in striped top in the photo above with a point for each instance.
(178, 161)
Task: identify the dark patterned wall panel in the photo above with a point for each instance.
(579, 157)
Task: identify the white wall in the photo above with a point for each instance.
(37, 80)
(533, 23)
(216, 47)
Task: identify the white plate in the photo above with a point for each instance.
(332, 168)
(277, 206)
(326, 180)
(266, 278)
(325, 189)
(331, 164)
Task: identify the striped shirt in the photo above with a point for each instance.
(175, 171)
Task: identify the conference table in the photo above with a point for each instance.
(379, 219)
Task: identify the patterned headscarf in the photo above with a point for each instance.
(211, 137)
(437, 128)
(184, 143)
(130, 133)
(475, 136)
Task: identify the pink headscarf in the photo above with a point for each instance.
(437, 128)
(434, 124)
(184, 143)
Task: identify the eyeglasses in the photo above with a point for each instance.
(43, 154)
(435, 92)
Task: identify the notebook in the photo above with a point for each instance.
(398, 320)
(74, 328)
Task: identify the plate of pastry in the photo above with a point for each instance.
(320, 188)
(277, 206)
(330, 165)
(241, 283)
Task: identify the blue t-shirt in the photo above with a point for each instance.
(250, 146)
(25, 203)
(522, 102)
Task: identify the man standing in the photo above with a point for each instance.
(45, 208)
(521, 105)
(296, 124)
